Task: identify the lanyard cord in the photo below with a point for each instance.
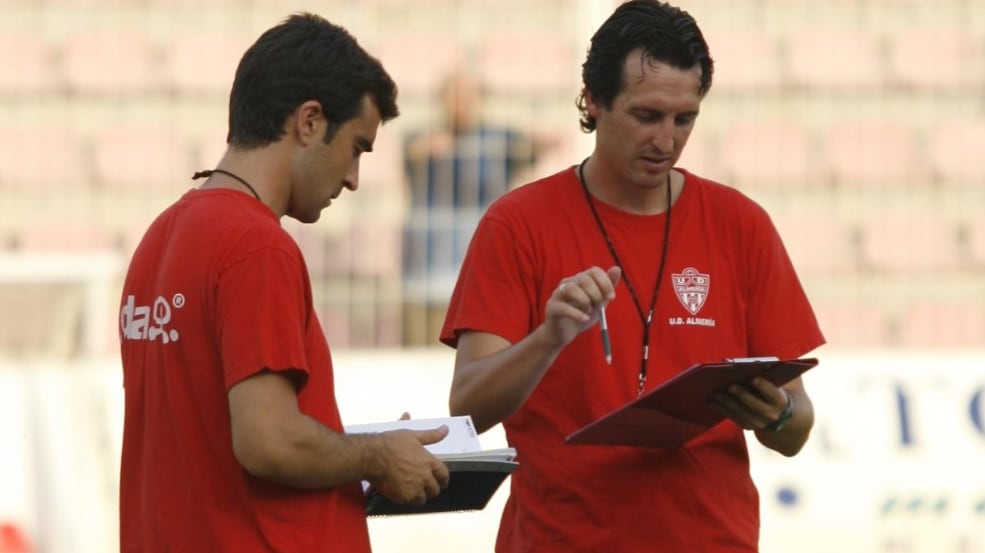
(647, 318)
(209, 172)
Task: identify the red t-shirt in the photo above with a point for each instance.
(728, 290)
(216, 292)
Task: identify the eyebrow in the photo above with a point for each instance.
(661, 113)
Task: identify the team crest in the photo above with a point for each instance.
(691, 287)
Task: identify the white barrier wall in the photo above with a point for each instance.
(896, 463)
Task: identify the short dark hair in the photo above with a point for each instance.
(665, 33)
(304, 58)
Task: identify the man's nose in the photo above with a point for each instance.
(352, 177)
(663, 137)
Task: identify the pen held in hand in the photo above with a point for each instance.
(606, 345)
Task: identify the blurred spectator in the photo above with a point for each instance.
(454, 172)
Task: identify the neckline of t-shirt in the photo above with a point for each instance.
(677, 207)
(247, 198)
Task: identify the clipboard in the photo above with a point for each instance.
(677, 411)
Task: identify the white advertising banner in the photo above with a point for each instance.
(896, 462)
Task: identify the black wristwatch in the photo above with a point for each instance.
(781, 421)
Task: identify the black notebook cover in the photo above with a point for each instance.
(472, 484)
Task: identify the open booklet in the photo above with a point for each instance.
(476, 474)
(678, 410)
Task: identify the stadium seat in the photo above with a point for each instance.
(913, 241)
(382, 171)
(376, 247)
(943, 324)
(769, 153)
(853, 324)
(402, 55)
(955, 152)
(41, 158)
(829, 60)
(937, 59)
(974, 238)
(745, 60)
(334, 318)
(64, 236)
(528, 63)
(26, 64)
(700, 155)
(110, 62)
(204, 63)
(818, 244)
(138, 157)
(880, 153)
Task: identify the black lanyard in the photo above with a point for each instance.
(645, 318)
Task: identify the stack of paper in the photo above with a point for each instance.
(476, 474)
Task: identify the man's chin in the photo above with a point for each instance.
(306, 218)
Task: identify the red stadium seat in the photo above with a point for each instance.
(834, 60)
(975, 243)
(873, 153)
(912, 241)
(943, 324)
(937, 58)
(818, 244)
(26, 63)
(771, 153)
(402, 55)
(204, 63)
(853, 324)
(745, 61)
(139, 157)
(60, 235)
(43, 157)
(528, 63)
(109, 62)
(700, 156)
(955, 152)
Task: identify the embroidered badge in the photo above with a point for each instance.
(691, 287)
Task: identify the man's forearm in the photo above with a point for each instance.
(490, 384)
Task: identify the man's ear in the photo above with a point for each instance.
(309, 120)
(591, 106)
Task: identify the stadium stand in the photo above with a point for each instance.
(871, 169)
(768, 154)
(818, 61)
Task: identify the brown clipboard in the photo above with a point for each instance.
(678, 410)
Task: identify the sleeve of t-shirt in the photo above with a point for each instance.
(495, 291)
(261, 317)
(781, 321)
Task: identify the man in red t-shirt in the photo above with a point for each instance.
(232, 438)
(687, 270)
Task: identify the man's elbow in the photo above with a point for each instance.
(266, 459)
(458, 408)
(256, 459)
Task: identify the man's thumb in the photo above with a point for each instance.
(434, 435)
(615, 274)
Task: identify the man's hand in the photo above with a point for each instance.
(753, 406)
(410, 474)
(577, 301)
(759, 405)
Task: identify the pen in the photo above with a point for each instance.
(606, 346)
